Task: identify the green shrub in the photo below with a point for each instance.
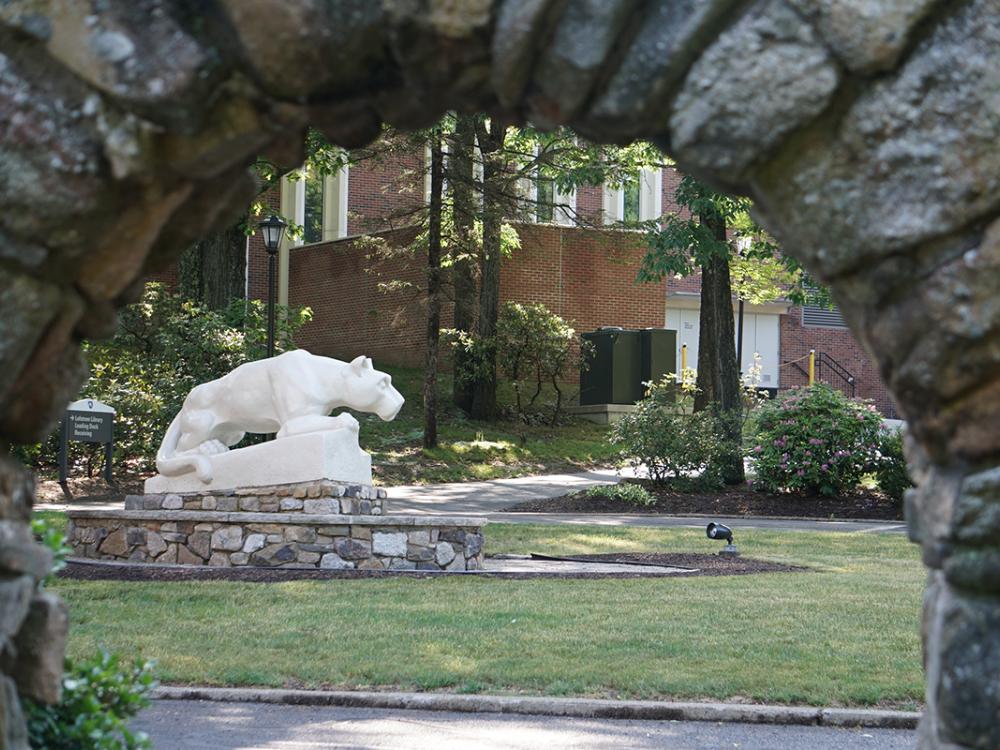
(815, 440)
(890, 471)
(625, 492)
(48, 535)
(99, 697)
(672, 443)
(164, 347)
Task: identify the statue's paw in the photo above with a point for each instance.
(348, 422)
(212, 448)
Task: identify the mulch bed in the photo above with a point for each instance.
(730, 502)
(707, 565)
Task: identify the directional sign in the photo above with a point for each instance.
(87, 421)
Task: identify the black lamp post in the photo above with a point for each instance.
(272, 229)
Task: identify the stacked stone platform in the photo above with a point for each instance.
(307, 525)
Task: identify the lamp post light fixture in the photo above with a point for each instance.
(272, 229)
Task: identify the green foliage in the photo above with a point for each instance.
(890, 471)
(815, 440)
(164, 347)
(50, 534)
(625, 492)
(670, 441)
(99, 697)
(533, 347)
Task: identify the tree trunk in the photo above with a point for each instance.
(718, 373)
(213, 270)
(461, 174)
(433, 292)
(484, 394)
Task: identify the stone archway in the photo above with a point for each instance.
(865, 130)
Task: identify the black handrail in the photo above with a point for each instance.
(825, 360)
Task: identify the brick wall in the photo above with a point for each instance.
(838, 343)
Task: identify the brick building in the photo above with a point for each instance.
(587, 275)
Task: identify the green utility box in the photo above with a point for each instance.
(613, 375)
(657, 354)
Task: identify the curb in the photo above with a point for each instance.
(581, 708)
(714, 516)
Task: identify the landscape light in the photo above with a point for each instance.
(721, 531)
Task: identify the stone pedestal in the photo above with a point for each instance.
(331, 455)
(320, 524)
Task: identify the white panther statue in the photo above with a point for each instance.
(291, 394)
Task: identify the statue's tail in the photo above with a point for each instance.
(169, 464)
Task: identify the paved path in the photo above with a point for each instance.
(198, 725)
(488, 498)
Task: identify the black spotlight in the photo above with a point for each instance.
(720, 531)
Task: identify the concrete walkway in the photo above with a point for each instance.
(488, 498)
(198, 725)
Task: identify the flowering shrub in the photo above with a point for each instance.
(891, 473)
(815, 440)
(670, 442)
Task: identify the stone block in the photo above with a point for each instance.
(274, 555)
(290, 504)
(23, 556)
(444, 553)
(254, 542)
(219, 560)
(456, 536)
(352, 549)
(372, 563)
(200, 542)
(473, 544)
(186, 557)
(227, 504)
(173, 536)
(361, 532)
(399, 563)
(456, 564)
(419, 554)
(299, 492)
(250, 504)
(269, 507)
(305, 556)
(382, 494)
(138, 555)
(239, 558)
(333, 561)
(172, 502)
(134, 502)
(155, 544)
(325, 505)
(115, 544)
(420, 536)
(204, 527)
(229, 538)
(170, 556)
(209, 503)
(334, 530)
(134, 536)
(364, 507)
(13, 731)
(312, 491)
(300, 534)
(152, 502)
(389, 544)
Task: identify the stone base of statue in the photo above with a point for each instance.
(331, 454)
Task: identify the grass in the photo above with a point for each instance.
(846, 633)
(471, 450)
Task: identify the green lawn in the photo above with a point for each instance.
(846, 633)
(470, 450)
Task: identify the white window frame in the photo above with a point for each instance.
(335, 204)
(650, 198)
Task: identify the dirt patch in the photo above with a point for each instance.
(706, 565)
(730, 502)
(88, 489)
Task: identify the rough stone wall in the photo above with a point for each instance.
(865, 130)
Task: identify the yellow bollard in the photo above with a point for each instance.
(812, 367)
(684, 357)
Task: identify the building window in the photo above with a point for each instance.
(545, 197)
(314, 187)
(317, 203)
(636, 200)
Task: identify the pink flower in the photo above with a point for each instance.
(801, 472)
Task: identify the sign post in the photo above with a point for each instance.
(87, 421)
